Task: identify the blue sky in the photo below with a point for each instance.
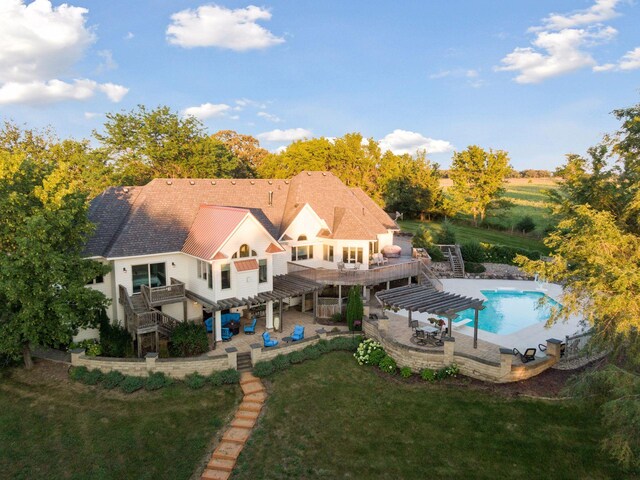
(536, 78)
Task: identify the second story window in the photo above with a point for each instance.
(328, 253)
(244, 251)
(262, 271)
(225, 276)
(152, 275)
(302, 252)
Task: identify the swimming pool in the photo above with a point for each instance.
(507, 311)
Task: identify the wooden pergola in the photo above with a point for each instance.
(424, 298)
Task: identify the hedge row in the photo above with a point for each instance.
(476, 252)
(282, 362)
(155, 381)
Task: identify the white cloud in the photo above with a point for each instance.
(630, 60)
(108, 63)
(52, 91)
(207, 110)
(90, 115)
(38, 41)
(472, 76)
(129, 36)
(404, 141)
(280, 149)
(289, 135)
(269, 116)
(215, 26)
(601, 11)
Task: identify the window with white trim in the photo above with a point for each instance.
(352, 254)
(327, 253)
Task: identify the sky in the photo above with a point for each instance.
(536, 78)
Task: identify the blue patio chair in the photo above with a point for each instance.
(226, 334)
(298, 333)
(268, 342)
(251, 329)
(208, 324)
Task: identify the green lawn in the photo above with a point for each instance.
(467, 233)
(56, 429)
(331, 418)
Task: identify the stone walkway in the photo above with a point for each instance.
(226, 453)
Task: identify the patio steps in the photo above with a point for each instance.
(225, 455)
(244, 362)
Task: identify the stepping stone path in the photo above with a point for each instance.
(226, 453)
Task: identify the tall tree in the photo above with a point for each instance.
(245, 147)
(43, 227)
(143, 144)
(478, 178)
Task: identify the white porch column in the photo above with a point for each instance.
(269, 315)
(218, 324)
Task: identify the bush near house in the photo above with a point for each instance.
(473, 252)
(114, 339)
(188, 339)
(471, 267)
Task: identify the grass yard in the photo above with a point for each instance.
(467, 233)
(331, 418)
(53, 428)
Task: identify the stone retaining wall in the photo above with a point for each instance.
(418, 358)
(260, 353)
(141, 367)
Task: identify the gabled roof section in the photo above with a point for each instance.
(273, 248)
(347, 226)
(375, 209)
(211, 228)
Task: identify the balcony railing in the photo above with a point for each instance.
(156, 296)
(372, 276)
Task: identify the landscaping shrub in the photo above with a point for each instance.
(355, 308)
(526, 224)
(195, 381)
(365, 349)
(91, 347)
(263, 369)
(131, 384)
(188, 339)
(112, 379)
(472, 252)
(230, 376)
(504, 254)
(78, 373)
(281, 362)
(388, 365)
(405, 372)
(470, 267)
(323, 346)
(215, 379)
(94, 377)
(311, 352)
(428, 375)
(349, 344)
(435, 253)
(115, 339)
(337, 317)
(447, 235)
(296, 357)
(422, 238)
(157, 380)
(376, 356)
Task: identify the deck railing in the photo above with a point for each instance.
(373, 276)
(431, 276)
(166, 294)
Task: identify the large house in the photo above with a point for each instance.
(187, 248)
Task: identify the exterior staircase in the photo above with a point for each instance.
(244, 362)
(454, 255)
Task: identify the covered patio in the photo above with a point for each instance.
(424, 298)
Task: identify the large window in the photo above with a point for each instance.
(373, 247)
(301, 252)
(262, 271)
(205, 273)
(328, 253)
(244, 251)
(352, 254)
(150, 274)
(225, 276)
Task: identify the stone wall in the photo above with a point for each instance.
(141, 367)
(418, 358)
(260, 353)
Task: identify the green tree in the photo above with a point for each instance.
(355, 308)
(43, 227)
(144, 144)
(478, 177)
(245, 147)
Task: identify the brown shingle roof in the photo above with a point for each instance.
(158, 217)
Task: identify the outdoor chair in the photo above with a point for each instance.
(268, 341)
(298, 333)
(251, 329)
(341, 267)
(226, 334)
(208, 324)
(414, 326)
(528, 355)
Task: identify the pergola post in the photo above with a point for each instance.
(315, 306)
(475, 329)
(340, 298)
(409, 317)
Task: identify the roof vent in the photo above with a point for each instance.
(169, 182)
(192, 182)
(309, 174)
(324, 174)
(126, 190)
(286, 182)
(233, 182)
(270, 199)
(363, 211)
(253, 182)
(270, 182)
(213, 182)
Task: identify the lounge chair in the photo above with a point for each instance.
(298, 333)
(528, 356)
(226, 334)
(268, 341)
(341, 267)
(208, 324)
(251, 329)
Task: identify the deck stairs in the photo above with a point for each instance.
(454, 255)
(244, 362)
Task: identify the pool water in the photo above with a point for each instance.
(508, 311)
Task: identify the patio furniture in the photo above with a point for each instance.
(226, 318)
(341, 267)
(268, 341)
(234, 326)
(287, 340)
(298, 333)
(251, 329)
(528, 355)
(378, 259)
(392, 251)
(415, 325)
(226, 334)
(356, 266)
(428, 337)
(208, 324)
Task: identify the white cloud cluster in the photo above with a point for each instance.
(216, 26)
(560, 47)
(471, 75)
(38, 44)
(289, 135)
(269, 116)
(207, 110)
(404, 141)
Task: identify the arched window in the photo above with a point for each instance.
(302, 238)
(244, 250)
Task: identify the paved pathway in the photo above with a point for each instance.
(226, 453)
